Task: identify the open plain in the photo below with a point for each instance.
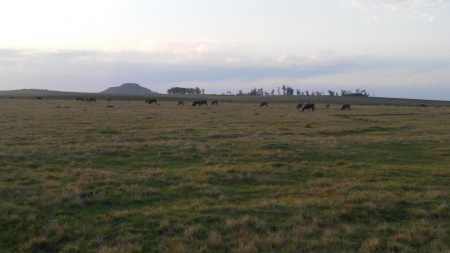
(126, 176)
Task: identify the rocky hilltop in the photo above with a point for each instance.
(128, 88)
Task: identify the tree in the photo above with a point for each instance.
(261, 92)
(253, 92)
(289, 91)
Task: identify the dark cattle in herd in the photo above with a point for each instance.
(309, 107)
(345, 107)
(38, 98)
(199, 103)
(150, 101)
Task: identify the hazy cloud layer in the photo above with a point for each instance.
(227, 45)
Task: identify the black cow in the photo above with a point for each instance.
(78, 98)
(38, 98)
(215, 102)
(299, 106)
(180, 103)
(345, 106)
(197, 102)
(151, 101)
(263, 104)
(309, 107)
(109, 99)
(92, 100)
(203, 102)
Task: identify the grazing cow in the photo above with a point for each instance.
(299, 106)
(78, 98)
(180, 103)
(150, 101)
(109, 99)
(215, 102)
(263, 104)
(203, 102)
(345, 106)
(92, 100)
(197, 102)
(309, 107)
(38, 98)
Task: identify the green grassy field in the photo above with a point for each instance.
(131, 177)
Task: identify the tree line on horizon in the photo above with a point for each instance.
(289, 91)
(181, 90)
(284, 90)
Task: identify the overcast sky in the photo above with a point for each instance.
(391, 48)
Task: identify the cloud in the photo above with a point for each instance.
(384, 11)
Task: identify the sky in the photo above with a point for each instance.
(390, 48)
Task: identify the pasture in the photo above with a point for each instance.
(134, 177)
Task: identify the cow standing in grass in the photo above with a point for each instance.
(38, 98)
(299, 106)
(78, 98)
(150, 101)
(345, 107)
(203, 102)
(263, 104)
(309, 107)
(92, 100)
(180, 103)
(197, 102)
(215, 102)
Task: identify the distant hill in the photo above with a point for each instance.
(129, 89)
